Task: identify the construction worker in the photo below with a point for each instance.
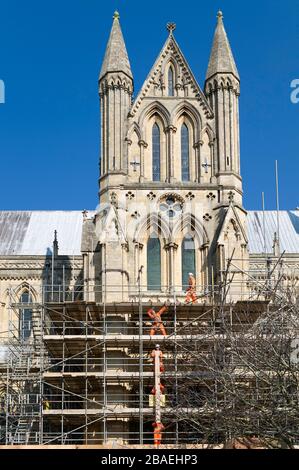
(157, 324)
(191, 291)
(46, 404)
(158, 352)
(158, 428)
(162, 390)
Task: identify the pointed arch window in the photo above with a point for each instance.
(170, 82)
(185, 153)
(188, 259)
(153, 263)
(156, 145)
(25, 316)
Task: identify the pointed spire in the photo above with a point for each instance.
(116, 56)
(221, 59)
(55, 244)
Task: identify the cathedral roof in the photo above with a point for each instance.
(288, 231)
(116, 57)
(32, 233)
(221, 59)
(24, 233)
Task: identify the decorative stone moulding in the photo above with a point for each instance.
(151, 196)
(231, 196)
(207, 217)
(130, 195)
(190, 196)
(211, 196)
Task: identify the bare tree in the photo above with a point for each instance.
(241, 372)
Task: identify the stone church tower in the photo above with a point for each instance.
(170, 184)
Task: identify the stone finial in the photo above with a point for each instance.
(171, 27)
(220, 15)
(116, 15)
(55, 244)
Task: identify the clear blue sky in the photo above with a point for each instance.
(50, 57)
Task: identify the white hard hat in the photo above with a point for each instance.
(157, 345)
(190, 274)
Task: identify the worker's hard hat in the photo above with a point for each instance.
(190, 274)
(157, 346)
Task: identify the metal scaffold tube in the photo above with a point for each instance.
(104, 374)
(83, 376)
(140, 357)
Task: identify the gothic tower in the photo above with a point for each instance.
(170, 184)
(222, 88)
(115, 90)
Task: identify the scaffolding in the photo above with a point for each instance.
(86, 374)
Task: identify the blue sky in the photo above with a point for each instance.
(50, 57)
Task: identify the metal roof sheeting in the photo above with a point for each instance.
(288, 231)
(32, 233)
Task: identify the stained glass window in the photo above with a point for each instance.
(185, 152)
(25, 317)
(153, 263)
(188, 259)
(156, 153)
(170, 82)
